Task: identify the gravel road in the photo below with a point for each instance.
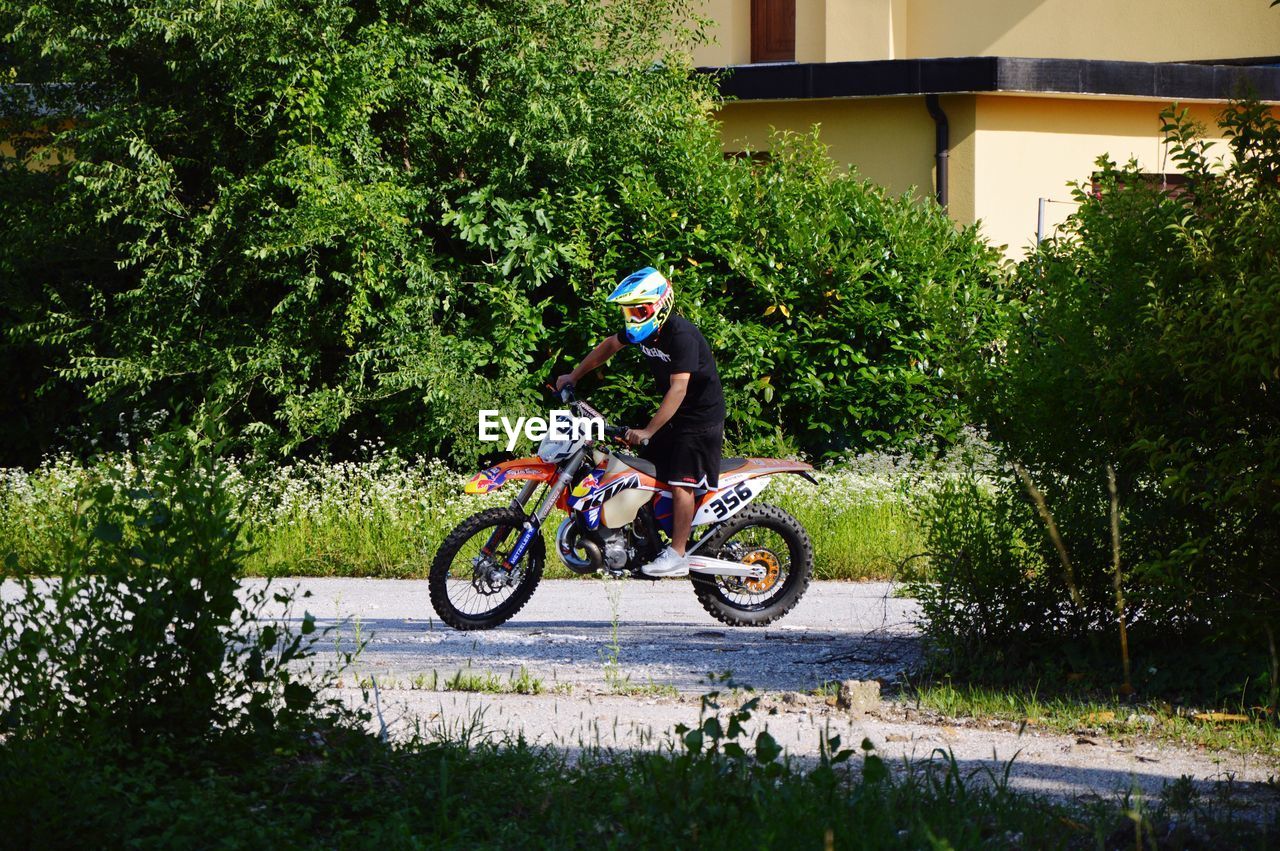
(665, 645)
(655, 632)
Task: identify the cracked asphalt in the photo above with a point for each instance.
(653, 632)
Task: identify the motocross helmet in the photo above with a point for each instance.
(645, 298)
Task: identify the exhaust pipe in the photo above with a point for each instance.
(580, 556)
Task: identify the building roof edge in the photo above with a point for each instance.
(970, 74)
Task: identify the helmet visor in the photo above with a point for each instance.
(639, 312)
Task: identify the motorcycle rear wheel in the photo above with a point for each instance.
(469, 589)
(758, 534)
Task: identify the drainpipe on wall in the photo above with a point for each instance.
(941, 145)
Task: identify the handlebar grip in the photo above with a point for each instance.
(620, 432)
(566, 394)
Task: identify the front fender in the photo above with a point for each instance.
(491, 479)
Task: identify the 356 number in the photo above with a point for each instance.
(721, 506)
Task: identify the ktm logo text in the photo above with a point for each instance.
(601, 496)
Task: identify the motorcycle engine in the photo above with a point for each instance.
(616, 551)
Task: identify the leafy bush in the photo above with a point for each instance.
(720, 786)
(986, 588)
(322, 217)
(1142, 338)
(137, 630)
(818, 292)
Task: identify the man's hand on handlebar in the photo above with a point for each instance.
(564, 389)
(638, 436)
(626, 436)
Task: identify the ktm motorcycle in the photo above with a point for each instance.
(749, 563)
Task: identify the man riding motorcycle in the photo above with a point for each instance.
(685, 436)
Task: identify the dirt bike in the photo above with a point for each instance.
(749, 563)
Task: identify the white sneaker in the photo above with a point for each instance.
(668, 563)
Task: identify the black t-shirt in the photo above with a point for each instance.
(680, 347)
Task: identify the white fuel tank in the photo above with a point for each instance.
(622, 509)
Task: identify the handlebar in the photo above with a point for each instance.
(620, 433)
(566, 396)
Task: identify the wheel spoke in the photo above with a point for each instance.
(767, 537)
(471, 588)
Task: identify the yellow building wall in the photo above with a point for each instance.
(889, 140)
(1007, 151)
(1138, 30)
(854, 30)
(826, 31)
(1026, 148)
(962, 136)
(40, 158)
(730, 33)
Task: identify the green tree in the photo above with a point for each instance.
(331, 216)
(1143, 337)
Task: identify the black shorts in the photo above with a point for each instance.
(687, 459)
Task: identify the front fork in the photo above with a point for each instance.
(534, 522)
(518, 502)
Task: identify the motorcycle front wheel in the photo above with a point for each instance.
(470, 588)
(764, 535)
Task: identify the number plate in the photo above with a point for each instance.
(729, 500)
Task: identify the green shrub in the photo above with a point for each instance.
(1143, 338)
(818, 292)
(319, 218)
(133, 628)
(986, 588)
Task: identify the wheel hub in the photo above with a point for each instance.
(489, 577)
(772, 569)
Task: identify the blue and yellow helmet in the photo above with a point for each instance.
(645, 298)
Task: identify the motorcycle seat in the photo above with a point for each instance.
(637, 463)
(727, 465)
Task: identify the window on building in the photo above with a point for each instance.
(1171, 183)
(773, 30)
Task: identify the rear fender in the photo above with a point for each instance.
(768, 467)
(739, 487)
(532, 469)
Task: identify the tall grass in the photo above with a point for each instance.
(386, 515)
(714, 787)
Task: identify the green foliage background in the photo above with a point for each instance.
(1143, 337)
(319, 217)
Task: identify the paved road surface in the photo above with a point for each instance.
(659, 634)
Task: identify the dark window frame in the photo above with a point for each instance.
(773, 31)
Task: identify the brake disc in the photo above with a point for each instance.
(488, 578)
